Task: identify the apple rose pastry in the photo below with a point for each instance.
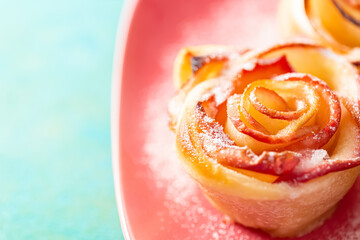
(271, 136)
(334, 23)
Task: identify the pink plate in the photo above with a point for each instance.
(156, 198)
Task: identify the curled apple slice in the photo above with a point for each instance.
(194, 65)
(191, 59)
(334, 23)
(270, 132)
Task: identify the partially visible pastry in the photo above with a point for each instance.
(333, 23)
(271, 136)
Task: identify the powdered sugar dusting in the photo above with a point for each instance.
(163, 164)
(186, 205)
(182, 204)
(317, 157)
(183, 199)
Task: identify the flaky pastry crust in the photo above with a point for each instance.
(266, 133)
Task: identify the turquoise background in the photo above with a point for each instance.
(55, 163)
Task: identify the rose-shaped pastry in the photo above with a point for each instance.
(271, 136)
(334, 23)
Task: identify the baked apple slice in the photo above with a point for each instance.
(271, 136)
(334, 23)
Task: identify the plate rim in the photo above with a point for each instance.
(121, 41)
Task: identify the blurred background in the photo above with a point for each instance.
(56, 178)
